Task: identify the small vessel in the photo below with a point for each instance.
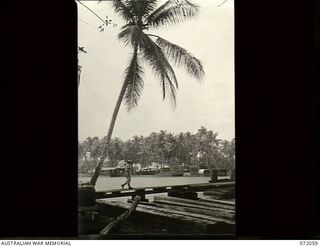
(221, 173)
(204, 172)
(186, 173)
(147, 171)
(112, 171)
(178, 173)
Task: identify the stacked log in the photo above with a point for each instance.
(180, 215)
(223, 193)
(222, 212)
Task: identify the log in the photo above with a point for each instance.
(122, 217)
(228, 213)
(208, 212)
(199, 203)
(227, 190)
(223, 202)
(194, 202)
(216, 212)
(155, 211)
(174, 223)
(184, 213)
(214, 193)
(218, 194)
(143, 203)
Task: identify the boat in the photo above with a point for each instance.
(187, 173)
(178, 173)
(204, 172)
(112, 171)
(221, 173)
(147, 172)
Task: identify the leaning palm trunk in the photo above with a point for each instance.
(104, 155)
(105, 152)
(140, 16)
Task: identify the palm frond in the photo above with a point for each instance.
(182, 57)
(134, 82)
(153, 54)
(121, 8)
(149, 6)
(141, 8)
(172, 12)
(131, 34)
(127, 25)
(155, 13)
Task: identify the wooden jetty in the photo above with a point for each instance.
(177, 213)
(182, 211)
(187, 190)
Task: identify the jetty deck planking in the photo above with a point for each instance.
(163, 189)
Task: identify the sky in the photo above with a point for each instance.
(210, 103)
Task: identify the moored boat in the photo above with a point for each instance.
(112, 171)
(147, 172)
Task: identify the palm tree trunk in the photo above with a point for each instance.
(104, 155)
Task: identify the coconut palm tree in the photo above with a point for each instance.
(140, 17)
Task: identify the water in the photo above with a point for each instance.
(109, 183)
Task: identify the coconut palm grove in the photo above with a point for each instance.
(182, 151)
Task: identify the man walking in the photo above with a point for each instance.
(128, 172)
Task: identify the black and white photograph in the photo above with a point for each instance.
(156, 151)
(159, 120)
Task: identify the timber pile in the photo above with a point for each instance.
(221, 193)
(177, 215)
(221, 211)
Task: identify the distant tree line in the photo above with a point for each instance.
(200, 150)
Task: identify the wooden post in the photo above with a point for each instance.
(86, 202)
(86, 196)
(142, 195)
(213, 176)
(233, 173)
